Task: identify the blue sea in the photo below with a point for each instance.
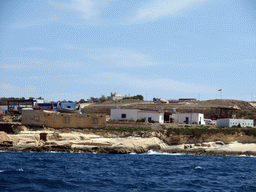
(151, 171)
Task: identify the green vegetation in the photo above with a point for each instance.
(129, 129)
(139, 97)
(141, 120)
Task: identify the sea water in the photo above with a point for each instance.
(151, 171)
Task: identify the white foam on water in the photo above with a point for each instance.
(151, 152)
(133, 153)
(198, 167)
(1, 171)
(54, 152)
(242, 156)
(20, 169)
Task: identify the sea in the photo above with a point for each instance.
(151, 171)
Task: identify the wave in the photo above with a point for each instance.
(152, 152)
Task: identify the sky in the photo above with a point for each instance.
(169, 49)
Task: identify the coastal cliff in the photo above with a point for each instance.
(122, 142)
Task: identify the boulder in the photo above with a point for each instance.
(219, 143)
(206, 145)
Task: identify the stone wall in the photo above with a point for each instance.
(63, 120)
(72, 120)
(33, 117)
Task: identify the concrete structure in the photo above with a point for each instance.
(187, 99)
(151, 115)
(134, 114)
(3, 109)
(62, 120)
(189, 118)
(209, 122)
(115, 96)
(235, 122)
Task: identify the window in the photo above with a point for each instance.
(123, 115)
(66, 119)
(95, 120)
(36, 118)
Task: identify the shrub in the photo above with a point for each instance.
(141, 120)
(152, 121)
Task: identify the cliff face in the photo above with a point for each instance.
(108, 141)
(173, 139)
(188, 139)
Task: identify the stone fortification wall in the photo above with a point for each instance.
(72, 120)
(63, 120)
(33, 117)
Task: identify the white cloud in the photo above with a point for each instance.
(51, 18)
(87, 9)
(162, 8)
(34, 49)
(11, 89)
(152, 84)
(121, 57)
(20, 63)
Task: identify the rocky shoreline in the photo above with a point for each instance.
(122, 150)
(24, 139)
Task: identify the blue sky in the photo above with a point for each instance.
(168, 49)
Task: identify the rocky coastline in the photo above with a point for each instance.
(120, 142)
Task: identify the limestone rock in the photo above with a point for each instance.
(219, 143)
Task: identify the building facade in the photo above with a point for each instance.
(135, 114)
(235, 122)
(188, 118)
(62, 120)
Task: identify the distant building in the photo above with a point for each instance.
(134, 114)
(3, 109)
(235, 122)
(115, 96)
(188, 118)
(186, 99)
(62, 120)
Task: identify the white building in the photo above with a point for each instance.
(235, 122)
(3, 109)
(115, 96)
(134, 114)
(189, 118)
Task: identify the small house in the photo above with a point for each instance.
(235, 122)
(188, 118)
(135, 114)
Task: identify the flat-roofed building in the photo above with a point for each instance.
(189, 118)
(235, 122)
(135, 114)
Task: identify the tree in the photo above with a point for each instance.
(140, 97)
(82, 101)
(103, 98)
